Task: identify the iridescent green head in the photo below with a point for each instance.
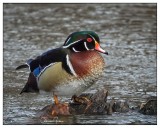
(83, 41)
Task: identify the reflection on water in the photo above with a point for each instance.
(127, 31)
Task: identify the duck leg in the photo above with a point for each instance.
(56, 101)
(59, 108)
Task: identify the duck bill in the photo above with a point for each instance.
(99, 49)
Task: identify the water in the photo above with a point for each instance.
(127, 31)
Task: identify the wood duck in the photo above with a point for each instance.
(67, 70)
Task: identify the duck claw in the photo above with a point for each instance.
(82, 100)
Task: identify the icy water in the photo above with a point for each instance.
(127, 31)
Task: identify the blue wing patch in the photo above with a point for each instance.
(36, 71)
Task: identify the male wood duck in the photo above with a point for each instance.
(67, 70)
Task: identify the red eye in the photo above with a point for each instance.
(89, 39)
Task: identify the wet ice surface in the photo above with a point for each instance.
(127, 31)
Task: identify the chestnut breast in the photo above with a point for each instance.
(87, 63)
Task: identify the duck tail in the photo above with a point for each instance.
(26, 65)
(31, 85)
(22, 66)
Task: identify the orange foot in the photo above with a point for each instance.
(59, 108)
(82, 100)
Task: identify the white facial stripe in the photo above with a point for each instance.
(75, 49)
(86, 46)
(92, 37)
(71, 44)
(68, 40)
(70, 66)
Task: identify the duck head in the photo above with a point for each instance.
(83, 41)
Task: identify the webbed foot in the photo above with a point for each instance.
(82, 100)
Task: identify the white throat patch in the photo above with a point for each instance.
(86, 46)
